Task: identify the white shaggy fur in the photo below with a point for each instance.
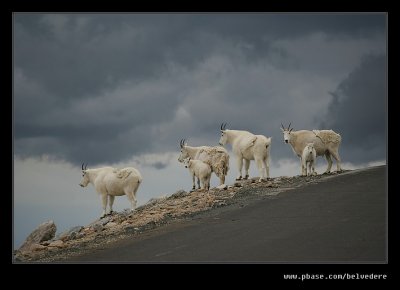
(215, 156)
(110, 182)
(201, 170)
(326, 142)
(247, 146)
(309, 157)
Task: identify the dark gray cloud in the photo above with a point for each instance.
(159, 165)
(358, 111)
(103, 87)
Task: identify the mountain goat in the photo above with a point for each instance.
(326, 142)
(215, 156)
(201, 170)
(110, 182)
(309, 157)
(248, 146)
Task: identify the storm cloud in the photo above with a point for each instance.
(358, 110)
(102, 88)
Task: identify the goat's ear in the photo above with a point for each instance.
(290, 130)
(282, 130)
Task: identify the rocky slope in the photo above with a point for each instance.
(42, 246)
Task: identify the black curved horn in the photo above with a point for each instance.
(289, 125)
(180, 143)
(222, 124)
(85, 166)
(283, 127)
(82, 165)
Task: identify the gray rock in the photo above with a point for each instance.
(271, 184)
(69, 234)
(130, 229)
(79, 236)
(220, 204)
(110, 225)
(178, 194)
(44, 232)
(57, 244)
(126, 212)
(103, 221)
(36, 247)
(97, 227)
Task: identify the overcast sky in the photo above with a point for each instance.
(123, 89)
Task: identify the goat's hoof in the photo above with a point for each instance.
(239, 178)
(246, 177)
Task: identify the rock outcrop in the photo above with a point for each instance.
(44, 232)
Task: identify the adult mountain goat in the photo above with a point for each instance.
(215, 156)
(247, 146)
(110, 182)
(326, 142)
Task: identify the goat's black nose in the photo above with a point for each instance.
(286, 141)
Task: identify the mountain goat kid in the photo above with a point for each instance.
(111, 182)
(201, 170)
(215, 156)
(326, 142)
(309, 157)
